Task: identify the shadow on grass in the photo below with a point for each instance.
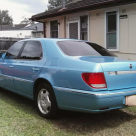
(71, 121)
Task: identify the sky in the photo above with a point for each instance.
(23, 8)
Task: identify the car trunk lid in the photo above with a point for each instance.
(120, 75)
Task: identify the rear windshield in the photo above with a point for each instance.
(81, 48)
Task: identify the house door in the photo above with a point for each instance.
(73, 32)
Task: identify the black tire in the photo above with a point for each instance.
(46, 105)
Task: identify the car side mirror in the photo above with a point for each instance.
(3, 56)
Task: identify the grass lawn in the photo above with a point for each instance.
(18, 117)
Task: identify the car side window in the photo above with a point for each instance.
(32, 51)
(13, 51)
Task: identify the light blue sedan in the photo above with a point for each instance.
(68, 74)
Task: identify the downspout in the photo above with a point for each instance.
(44, 29)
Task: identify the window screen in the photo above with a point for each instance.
(73, 30)
(79, 48)
(32, 51)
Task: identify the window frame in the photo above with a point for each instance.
(18, 52)
(54, 30)
(75, 17)
(19, 55)
(117, 33)
(79, 41)
(81, 26)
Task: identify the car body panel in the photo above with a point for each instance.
(30, 69)
(80, 100)
(113, 64)
(5, 78)
(64, 74)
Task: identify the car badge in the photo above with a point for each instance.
(130, 66)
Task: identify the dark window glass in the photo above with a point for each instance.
(79, 48)
(84, 24)
(13, 51)
(54, 29)
(32, 51)
(112, 30)
(112, 21)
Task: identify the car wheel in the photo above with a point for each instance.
(46, 102)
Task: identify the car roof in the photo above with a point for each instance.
(50, 39)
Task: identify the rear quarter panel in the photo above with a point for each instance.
(65, 71)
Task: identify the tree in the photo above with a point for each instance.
(5, 18)
(57, 3)
(26, 21)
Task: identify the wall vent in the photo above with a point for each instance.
(124, 11)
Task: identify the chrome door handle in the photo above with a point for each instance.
(10, 66)
(35, 69)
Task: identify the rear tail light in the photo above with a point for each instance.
(95, 80)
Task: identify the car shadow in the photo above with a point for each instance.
(71, 121)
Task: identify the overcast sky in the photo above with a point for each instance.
(19, 8)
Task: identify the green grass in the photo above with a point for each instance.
(18, 117)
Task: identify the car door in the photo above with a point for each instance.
(7, 72)
(28, 66)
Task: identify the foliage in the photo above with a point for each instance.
(57, 3)
(26, 21)
(5, 18)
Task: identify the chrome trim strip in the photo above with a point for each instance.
(6, 76)
(121, 72)
(15, 78)
(90, 93)
(24, 80)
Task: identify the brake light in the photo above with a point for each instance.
(95, 80)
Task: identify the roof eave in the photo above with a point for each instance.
(85, 8)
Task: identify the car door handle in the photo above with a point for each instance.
(10, 66)
(35, 69)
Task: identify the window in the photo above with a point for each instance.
(83, 27)
(54, 29)
(111, 33)
(13, 51)
(32, 51)
(73, 30)
(78, 48)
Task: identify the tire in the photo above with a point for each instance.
(46, 102)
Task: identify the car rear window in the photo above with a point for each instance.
(81, 48)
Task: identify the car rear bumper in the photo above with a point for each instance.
(80, 100)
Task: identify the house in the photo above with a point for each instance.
(22, 31)
(37, 30)
(110, 23)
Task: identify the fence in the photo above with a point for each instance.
(5, 43)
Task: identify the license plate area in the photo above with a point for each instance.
(131, 100)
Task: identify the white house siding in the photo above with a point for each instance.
(16, 33)
(127, 30)
(37, 35)
(97, 27)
